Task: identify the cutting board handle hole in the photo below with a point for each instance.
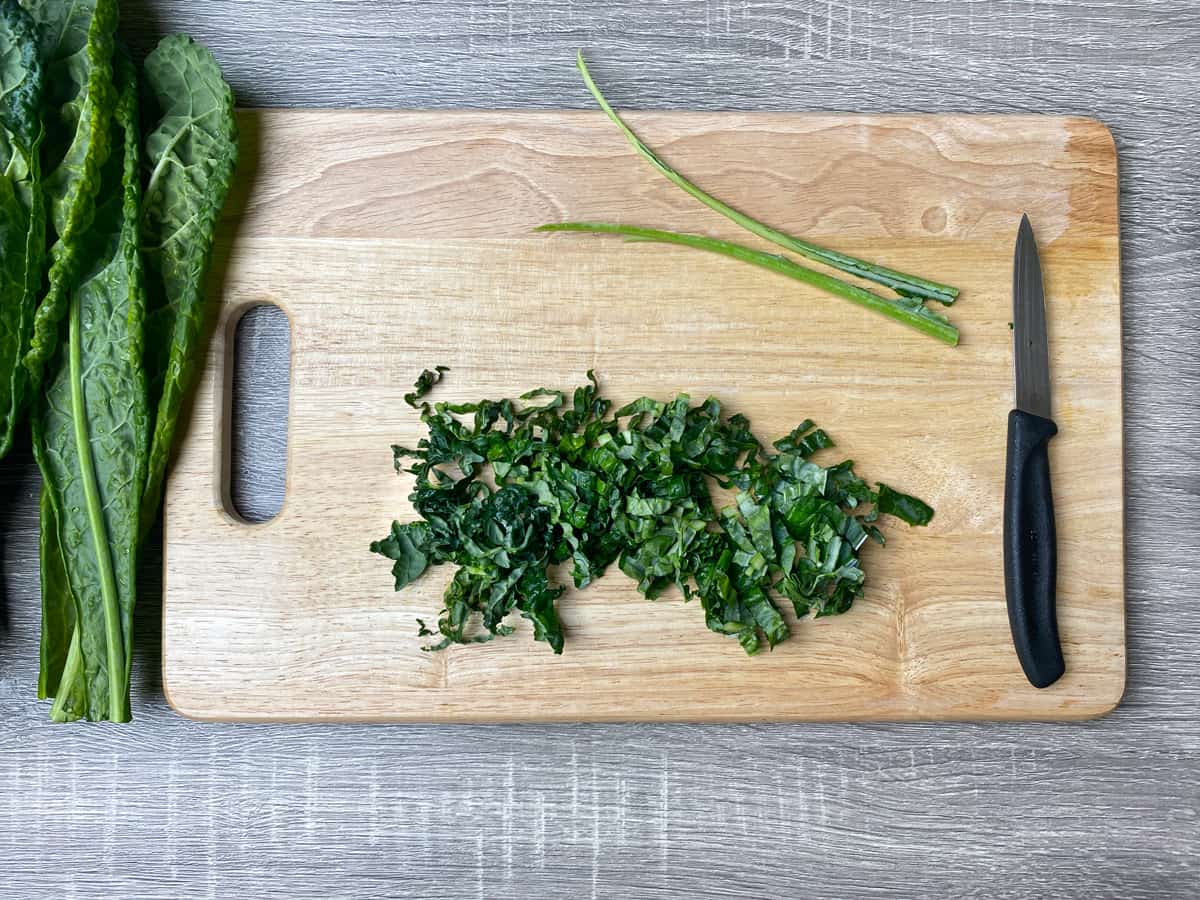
(260, 389)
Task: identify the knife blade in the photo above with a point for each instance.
(1030, 539)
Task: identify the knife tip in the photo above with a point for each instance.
(1026, 225)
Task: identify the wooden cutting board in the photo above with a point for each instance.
(400, 240)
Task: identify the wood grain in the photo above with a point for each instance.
(394, 241)
(167, 807)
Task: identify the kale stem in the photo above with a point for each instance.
(902, 283)
(114, 637)
(912, 313)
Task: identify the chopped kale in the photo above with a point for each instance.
(425, 384)
(573, 482)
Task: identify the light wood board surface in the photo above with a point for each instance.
(396, 241)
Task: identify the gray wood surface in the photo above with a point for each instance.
(170, 808)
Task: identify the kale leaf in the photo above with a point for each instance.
(105, 359)
(91, 433)
(573, 482)
(22, 207)
(191, 151)
(425, 383)
(902, 506)
(77, 43)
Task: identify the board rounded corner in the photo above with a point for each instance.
(181, 707)
(1109, 702)
(1095, 135)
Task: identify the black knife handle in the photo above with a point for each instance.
(1030, 548)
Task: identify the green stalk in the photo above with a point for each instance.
(70, 672)
(902, 283)
(113, 634)
(910, 312)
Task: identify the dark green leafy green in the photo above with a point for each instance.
(94, 435)
(406, 546)
(911, 312)
(71, 176)
(76, 50)
(904, 284)
(572, 482)
(91, 434)
(424, 385)
(902, 506)
(22, 209)
(59, 639)
(190, 155)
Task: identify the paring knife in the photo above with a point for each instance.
(1030, 549)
